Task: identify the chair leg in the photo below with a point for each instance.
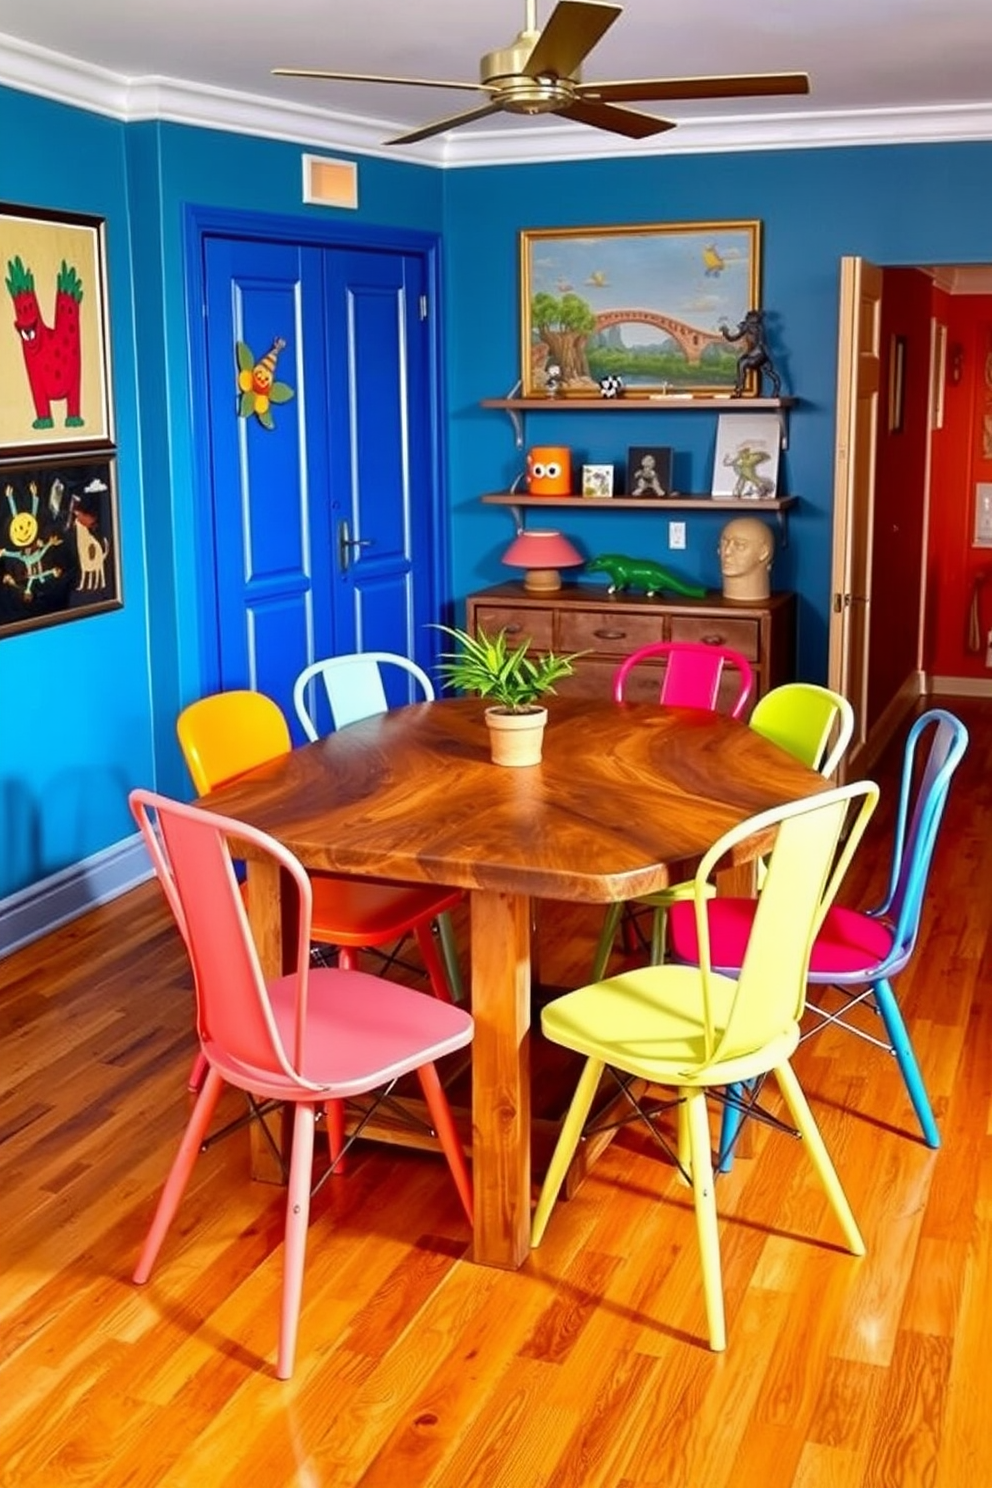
(568, 1140)
(704, 1199)
(182, 1166)
(297, 1220)
(444, 1125)
(604, 945)
(433, 964)
(888, 1007)
(197, 1072)
(449, 951)
(659, 934)
(802, 1116)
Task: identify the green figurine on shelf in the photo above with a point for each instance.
(641, 573)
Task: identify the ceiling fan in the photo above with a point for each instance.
(539, 73)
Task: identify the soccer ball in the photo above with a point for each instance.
(611, 387)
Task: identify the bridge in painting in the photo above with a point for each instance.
(692, 340)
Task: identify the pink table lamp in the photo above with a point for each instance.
(542, 553)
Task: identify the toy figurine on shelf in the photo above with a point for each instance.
(552, 379)
(755, 356)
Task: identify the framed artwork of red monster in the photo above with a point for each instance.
(55, 390)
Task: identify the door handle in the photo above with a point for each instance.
(347, 544)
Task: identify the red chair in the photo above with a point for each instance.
(312, 1038)
(695, 675)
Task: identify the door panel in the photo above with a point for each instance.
(380, 469)
(271, 541)
(858, 365)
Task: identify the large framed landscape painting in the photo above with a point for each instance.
(55, 389)
(648, 304)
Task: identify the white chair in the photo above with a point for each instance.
(354, 688)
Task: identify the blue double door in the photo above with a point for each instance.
(324, 504)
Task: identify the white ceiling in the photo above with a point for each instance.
(880, 69)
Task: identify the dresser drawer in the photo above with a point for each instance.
(720, 630)
(607, 633)
(518, 624)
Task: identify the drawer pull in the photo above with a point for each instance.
(610, 635)
(513, 628)
(712, 640)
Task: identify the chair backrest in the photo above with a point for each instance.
(227, 733)
(354, 688)
(235, 1022)
(805, 866)
(803, 718)
(917, 824)
(694, 675)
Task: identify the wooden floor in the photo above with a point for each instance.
(417, 1369)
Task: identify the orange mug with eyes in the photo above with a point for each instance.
(549, 470)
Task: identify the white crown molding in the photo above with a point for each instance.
(52, 75)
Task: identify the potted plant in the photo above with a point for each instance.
(513, 684)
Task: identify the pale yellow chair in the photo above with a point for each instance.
(692, 1030)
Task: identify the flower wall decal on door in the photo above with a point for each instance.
(257, 384)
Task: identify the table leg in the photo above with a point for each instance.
(500, 931)
(265, 916)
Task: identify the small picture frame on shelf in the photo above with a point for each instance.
(597, 481)
(649, 471)
(745, 466)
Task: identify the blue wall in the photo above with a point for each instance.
(88, 706)
(907, 205)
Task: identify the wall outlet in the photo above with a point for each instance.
(676, 539)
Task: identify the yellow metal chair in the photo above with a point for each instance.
(693, 1030)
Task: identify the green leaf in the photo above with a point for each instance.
(266, 420)
(246, 358)
(280, 392)
(246, 405)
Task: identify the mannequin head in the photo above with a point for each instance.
(747, 546)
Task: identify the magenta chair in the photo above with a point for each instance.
(858, 952)
(310, 1038)
(696, 675)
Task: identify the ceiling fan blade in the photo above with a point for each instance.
(667, 90)
(441, 125)
(573, 29)
(374, 77)
(620, 121)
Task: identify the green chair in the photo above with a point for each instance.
(812, 723)
(693, 1030)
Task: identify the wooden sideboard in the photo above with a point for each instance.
(609, 627)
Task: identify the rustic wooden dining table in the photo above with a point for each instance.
(627, 797)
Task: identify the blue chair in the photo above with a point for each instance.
(859, 952)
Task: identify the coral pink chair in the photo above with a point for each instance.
(696, 675)
(227, 733)
(309, 1038)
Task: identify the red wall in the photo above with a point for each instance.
(961, 456)
(900, 490)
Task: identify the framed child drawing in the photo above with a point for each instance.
(54, 354)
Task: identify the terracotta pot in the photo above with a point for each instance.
(516, 738)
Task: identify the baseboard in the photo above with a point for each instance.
(961, 686)
(61, 897)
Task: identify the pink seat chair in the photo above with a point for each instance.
(695, 675)
(859, 952)
(310, 1038)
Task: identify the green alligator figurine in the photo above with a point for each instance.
(641, 573)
